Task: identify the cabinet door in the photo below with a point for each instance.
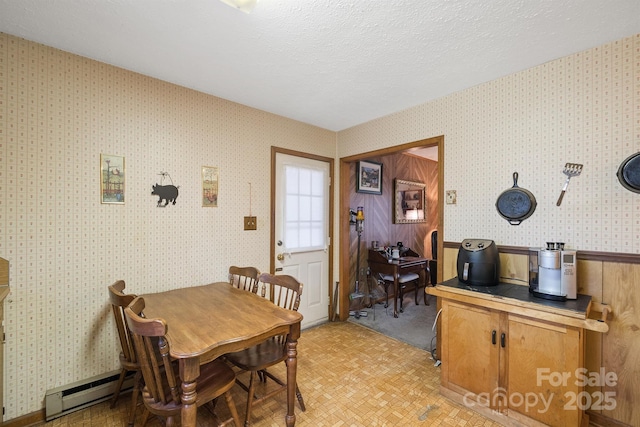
(542, 381)
(470, 360)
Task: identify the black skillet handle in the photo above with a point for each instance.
(515, 180)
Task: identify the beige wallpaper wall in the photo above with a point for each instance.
(58, 112)
(584, 108)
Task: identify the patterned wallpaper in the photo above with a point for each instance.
(583, 108)
(58, 113)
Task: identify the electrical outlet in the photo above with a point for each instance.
(451, 197)
(250, 223)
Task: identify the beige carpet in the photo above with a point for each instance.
(413, 326)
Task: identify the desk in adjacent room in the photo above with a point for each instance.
(378, 263)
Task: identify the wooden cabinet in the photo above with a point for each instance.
(511, 364)
(473, 362)
(513, 361)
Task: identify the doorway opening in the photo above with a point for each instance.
(348, 188)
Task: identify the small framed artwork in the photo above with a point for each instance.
(112, 179)
(409, 201)
(209, 186)
(369, 177)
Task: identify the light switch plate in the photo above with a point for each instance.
(250, 223)
(451, 197)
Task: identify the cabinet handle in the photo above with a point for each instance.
(493, 337)
(502, 340)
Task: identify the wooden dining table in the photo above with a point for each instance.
(208, 321)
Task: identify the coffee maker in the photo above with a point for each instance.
(553, 272)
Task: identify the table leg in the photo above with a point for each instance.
(292, 368)
(189, 372)
(423, 283)
(395, 295)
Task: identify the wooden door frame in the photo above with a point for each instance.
(345, 177)
(272, 223)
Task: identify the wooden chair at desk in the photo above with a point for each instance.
(245, 278)
(284, 291)
(128, 360)
(386, 280)
(162, 391)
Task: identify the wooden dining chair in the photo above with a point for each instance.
(284, 291)
(245, 278)
(128, 360)
(162, 392)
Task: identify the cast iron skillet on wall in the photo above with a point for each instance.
(516, 204)
(629, 173)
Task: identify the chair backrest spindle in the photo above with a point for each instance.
(284, 290)
(245, 278)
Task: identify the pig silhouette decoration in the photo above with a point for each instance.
(168, 193)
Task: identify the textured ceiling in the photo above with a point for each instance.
(330, 63)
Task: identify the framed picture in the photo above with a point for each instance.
(112, 179)
(209, 186)
(409, 202)
(369, 177)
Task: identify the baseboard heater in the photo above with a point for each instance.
(81, 394)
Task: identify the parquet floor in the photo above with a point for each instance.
(349, 375)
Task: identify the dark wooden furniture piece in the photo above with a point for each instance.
(4, 291)
(245, 278)
(128, 360)
(284, 291)
(161, 394)
(209, 321)
(380, 264)
(433, 262)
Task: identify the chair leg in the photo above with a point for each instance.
(386, 295)
(116, 394)
(137, 384)
(250, 394)
(232, 408)
(300, 399)
(145, 417)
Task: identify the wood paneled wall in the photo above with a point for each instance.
(378, 210)
(609, 279)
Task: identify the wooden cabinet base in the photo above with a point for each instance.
(515, 361)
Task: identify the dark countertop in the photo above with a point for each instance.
(521, 293)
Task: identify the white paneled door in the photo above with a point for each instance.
(302, 230)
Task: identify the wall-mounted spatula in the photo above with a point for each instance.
(570, 169)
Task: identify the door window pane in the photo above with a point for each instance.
(305, 202)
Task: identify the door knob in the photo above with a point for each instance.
(280, 257)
